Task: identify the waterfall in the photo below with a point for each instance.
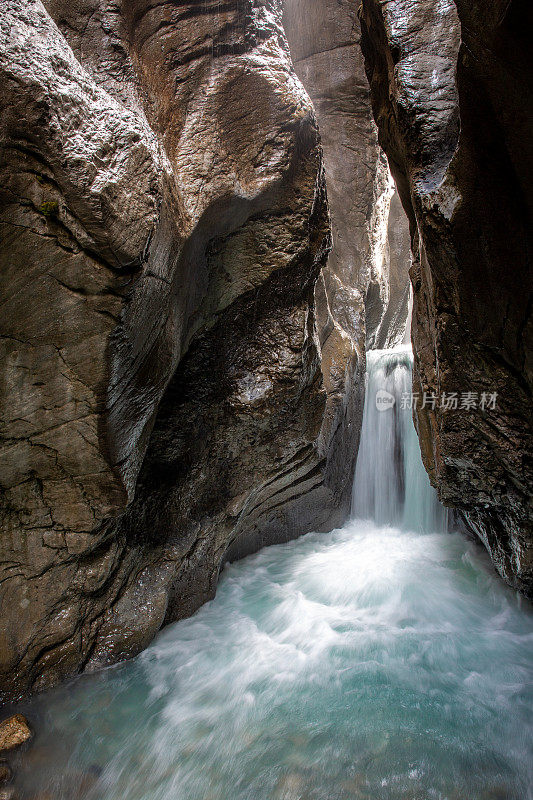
(373, 661)
(391, 485)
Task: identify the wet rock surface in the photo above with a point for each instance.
(14, 731)
(452, 97)
(168, 399)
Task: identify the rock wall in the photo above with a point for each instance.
(451, 87)
(366, 282)
(362, 293)
(387, 296)
(166, 401)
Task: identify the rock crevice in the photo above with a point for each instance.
(452, 98)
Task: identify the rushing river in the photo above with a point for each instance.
(374, 662)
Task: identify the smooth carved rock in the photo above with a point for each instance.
(166, 400)
(387, 297)
(366, 278)
(14, 732)
(324, 44)
(451, 87)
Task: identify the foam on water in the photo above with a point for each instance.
(376, 662)
(365, 663)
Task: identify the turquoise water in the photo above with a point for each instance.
(365, 663)
(376, 662)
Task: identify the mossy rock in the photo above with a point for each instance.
(50, 208)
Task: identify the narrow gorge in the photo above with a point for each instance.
(266, 276)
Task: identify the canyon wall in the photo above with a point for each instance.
(184, 324)
(366, 282)
(166, 402)
(183, 357)
(451, 86)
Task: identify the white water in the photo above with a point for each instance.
(391, 485)
(371, 663)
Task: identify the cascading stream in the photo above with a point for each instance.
(376, 662)
(391, 485)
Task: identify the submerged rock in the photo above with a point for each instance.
(14, 732)
(291, 786)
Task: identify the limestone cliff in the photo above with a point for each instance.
(164, 222)
(451, 87)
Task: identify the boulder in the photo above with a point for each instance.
(14, 731)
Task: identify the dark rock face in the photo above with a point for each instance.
(166, 401)
(451, 89)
